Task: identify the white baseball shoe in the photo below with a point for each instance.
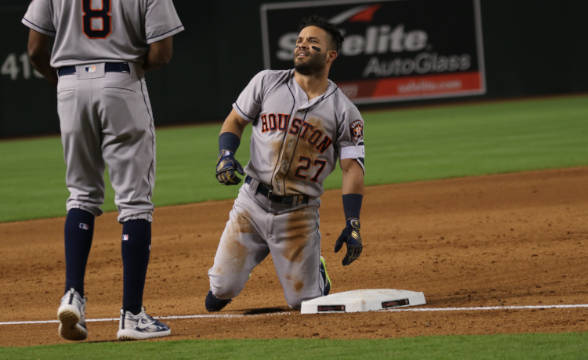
(140, 326)
(72, 316)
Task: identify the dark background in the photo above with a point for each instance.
(531, 48)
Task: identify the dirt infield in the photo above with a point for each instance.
(514, 239)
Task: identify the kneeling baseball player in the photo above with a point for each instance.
(302, 123)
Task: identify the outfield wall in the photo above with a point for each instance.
(529, 48)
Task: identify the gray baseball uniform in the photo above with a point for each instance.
(295, 144)
(103, 106)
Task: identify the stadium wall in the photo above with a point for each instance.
(530, 48)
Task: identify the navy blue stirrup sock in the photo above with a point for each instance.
(136, 243)
(78, 232)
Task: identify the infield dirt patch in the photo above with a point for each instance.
(513, 239)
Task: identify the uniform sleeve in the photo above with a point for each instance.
(350, 142)
(39, 17)
(161, 20)
(248, 104)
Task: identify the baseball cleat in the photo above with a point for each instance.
(325, 276)
(140, 326)
(213, 303)
(72, 317)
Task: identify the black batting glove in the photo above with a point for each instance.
(226, 167)
(350, 235)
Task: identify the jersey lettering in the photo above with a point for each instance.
(283, 121)
(97, 21)
(295, 129)
(272, 121)
(305, 127)
(324, 145)
(279, 122)
(269, 122)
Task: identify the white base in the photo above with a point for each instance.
(362, 300)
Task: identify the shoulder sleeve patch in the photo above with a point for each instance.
(356, 130)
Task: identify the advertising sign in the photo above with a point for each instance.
(393, 49)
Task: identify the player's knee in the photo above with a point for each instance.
(226, 289)
(294, 302)
(226, 285)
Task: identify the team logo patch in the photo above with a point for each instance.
(356, 130)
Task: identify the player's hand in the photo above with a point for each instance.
(350, 235)
(226, 167)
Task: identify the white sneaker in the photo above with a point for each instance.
(72, 316)
(140, 326)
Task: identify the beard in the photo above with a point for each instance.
(314, 64)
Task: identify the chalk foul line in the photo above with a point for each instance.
(404, 309)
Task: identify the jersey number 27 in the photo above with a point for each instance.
(96, 20)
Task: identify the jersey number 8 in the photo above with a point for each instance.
(97, 21)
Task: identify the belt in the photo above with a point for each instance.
(266, 191)
(108, 67)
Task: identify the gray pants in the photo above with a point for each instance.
(255, 228)
(106, 118)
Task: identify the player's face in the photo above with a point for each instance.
(310, 54)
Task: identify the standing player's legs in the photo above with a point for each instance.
(240, 249)
(80, 135)
(128, 148)
(295, 246)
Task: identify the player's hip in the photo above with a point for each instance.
(124, 75)
(259, 193)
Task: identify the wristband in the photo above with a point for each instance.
(228, 141)
(352, 205)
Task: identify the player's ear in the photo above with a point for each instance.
(332, 55)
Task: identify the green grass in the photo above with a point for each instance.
(518, 346)
(403, 145)
(453, 141)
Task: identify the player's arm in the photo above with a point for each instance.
(352, 190)
(234, 124)
(352, 182)
(39, 51)
(228, 142)
(159, 54)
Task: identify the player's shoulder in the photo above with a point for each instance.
(343, 103)
(270, 79)
(273, 75)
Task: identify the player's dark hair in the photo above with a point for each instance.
(315, 20)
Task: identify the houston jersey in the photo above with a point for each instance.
(90, 31)
(295, 143)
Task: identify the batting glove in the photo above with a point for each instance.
(226, 167)
(350, 235)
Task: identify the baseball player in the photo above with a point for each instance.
(100, 53)
(302, 124)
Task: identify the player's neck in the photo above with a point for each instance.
(313, 85)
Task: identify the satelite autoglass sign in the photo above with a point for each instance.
(393, 49)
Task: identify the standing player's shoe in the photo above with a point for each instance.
(140, 326)
(325, 276)
(72, 317)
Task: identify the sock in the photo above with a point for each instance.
(79, 229)
(136, 245)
